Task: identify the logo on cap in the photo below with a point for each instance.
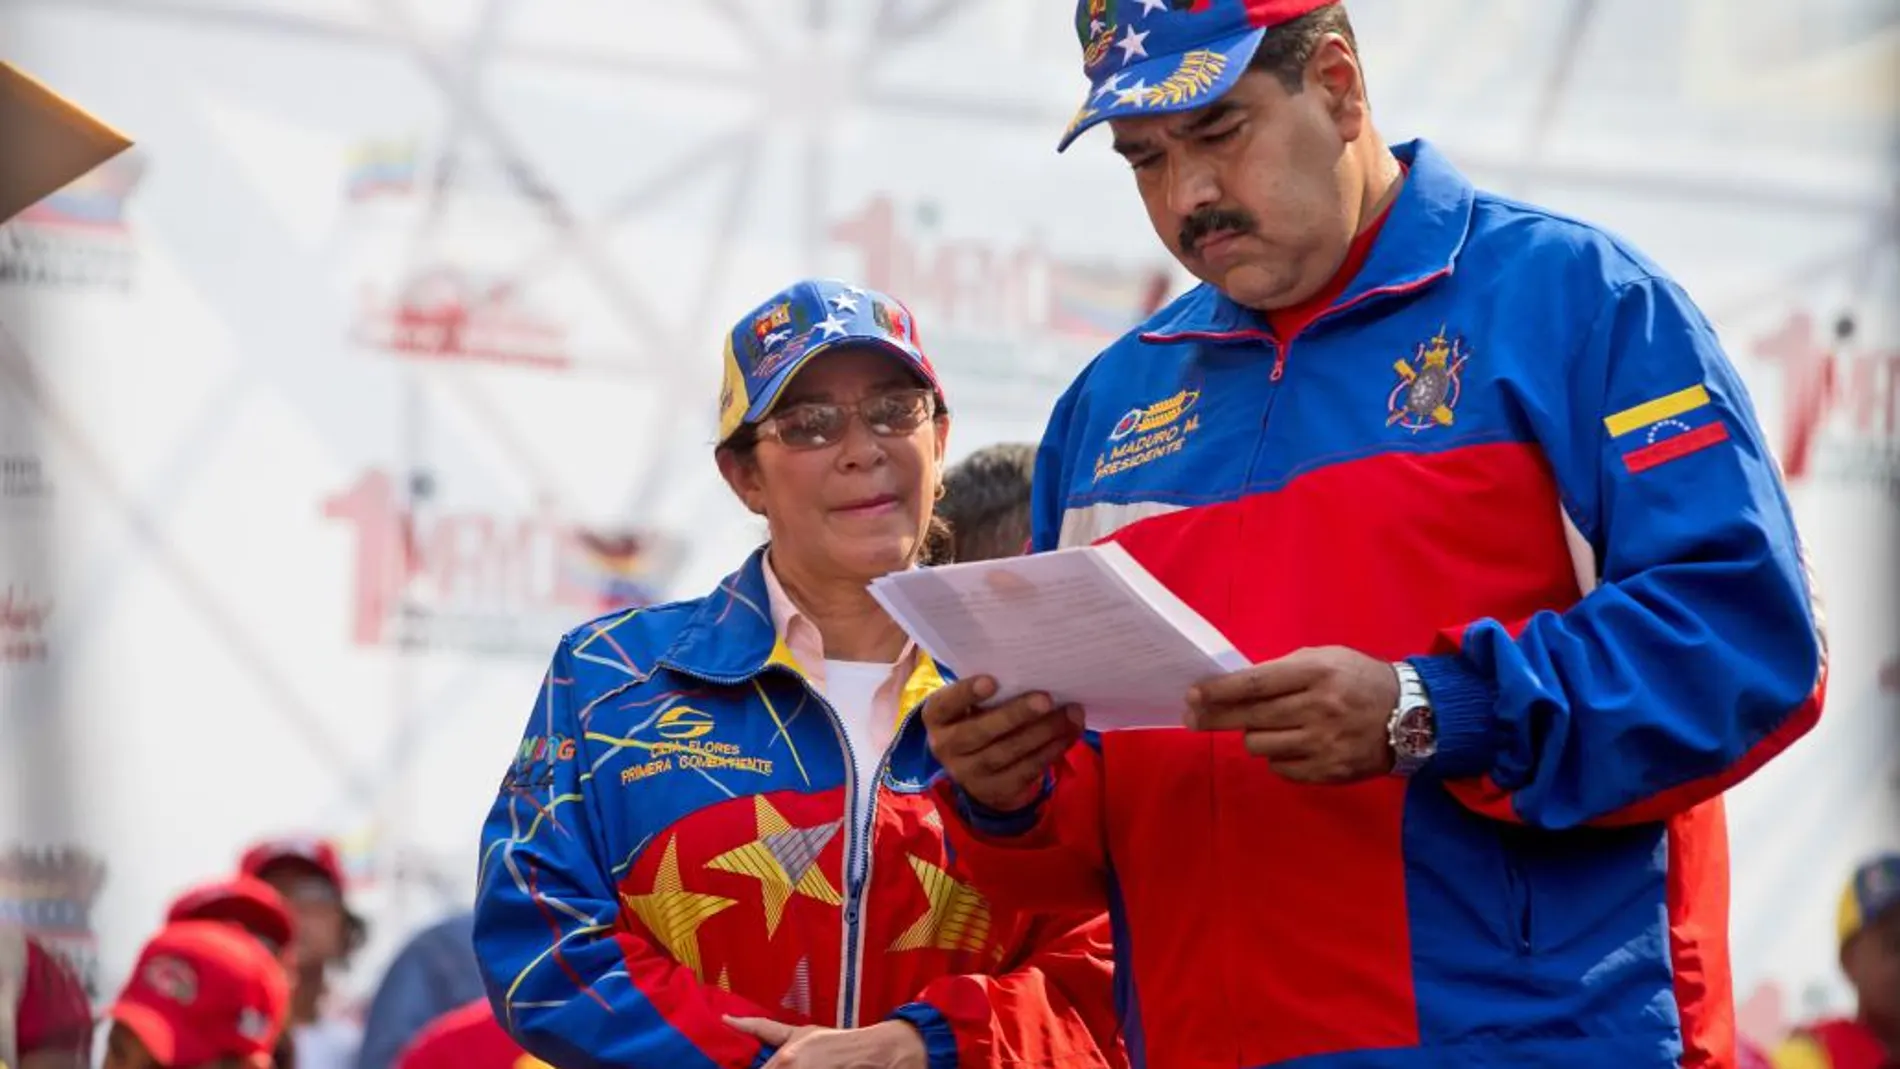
(785, 354)
(253, 1024)
(773, 327)
(1100, 34)
(172, 978)
(891, 320)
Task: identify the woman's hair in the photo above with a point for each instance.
(938, 539)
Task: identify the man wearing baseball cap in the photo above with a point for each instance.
(1476, 490)
(202, 996)
(1870, 956)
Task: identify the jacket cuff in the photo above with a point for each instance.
(765, 1055)
(940, 1040)
(999, 825)
(1464, 705)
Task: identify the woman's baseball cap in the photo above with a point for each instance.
(773, 342)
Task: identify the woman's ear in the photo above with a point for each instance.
(741, 472)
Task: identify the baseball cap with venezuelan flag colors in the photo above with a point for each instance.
(773, 342)
(204, 991)
(1873, 890)
(1151, 57)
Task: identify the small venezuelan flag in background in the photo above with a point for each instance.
(1668, 428)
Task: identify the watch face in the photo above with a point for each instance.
(1418, 735)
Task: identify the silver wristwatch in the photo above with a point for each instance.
(1412, 730)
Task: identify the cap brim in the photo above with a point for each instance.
(153, 1028)
(1164, 84)
(762, 405)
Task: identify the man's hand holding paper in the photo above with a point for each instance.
(1315, 715)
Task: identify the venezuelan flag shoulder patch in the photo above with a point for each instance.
(1667, 428)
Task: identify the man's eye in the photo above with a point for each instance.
(1226, 133)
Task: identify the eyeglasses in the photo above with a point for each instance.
(817, 424)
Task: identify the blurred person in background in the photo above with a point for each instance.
(467, 1037)
(256, 908)
(715, 845)
(308, 874)
(203, 995)
(1870, 957)
(433, 973)
(986, 502)
(1477, 490)
(45, 1017)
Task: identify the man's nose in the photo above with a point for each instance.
(1192, 186)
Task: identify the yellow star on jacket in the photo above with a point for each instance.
(958, 917)
(672, 913)
(784, 860)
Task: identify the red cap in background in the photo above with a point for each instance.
(245, 901)
(319, 854)
(203, 991)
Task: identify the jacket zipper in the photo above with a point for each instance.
(858, 854)
(854, 898)
(1280, 351)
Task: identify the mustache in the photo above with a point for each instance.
(1213, 221)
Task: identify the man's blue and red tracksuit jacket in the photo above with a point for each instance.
(1512, 452)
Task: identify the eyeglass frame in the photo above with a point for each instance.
(768, 427)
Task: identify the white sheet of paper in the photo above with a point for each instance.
(1086, 625)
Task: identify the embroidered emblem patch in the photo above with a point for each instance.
(1429, 386)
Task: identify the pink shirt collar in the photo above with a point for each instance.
(807, 647)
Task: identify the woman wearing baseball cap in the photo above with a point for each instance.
(714, 845)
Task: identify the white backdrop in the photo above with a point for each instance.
(391, 351)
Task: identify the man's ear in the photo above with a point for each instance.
(1334, 71)
(741, 473)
